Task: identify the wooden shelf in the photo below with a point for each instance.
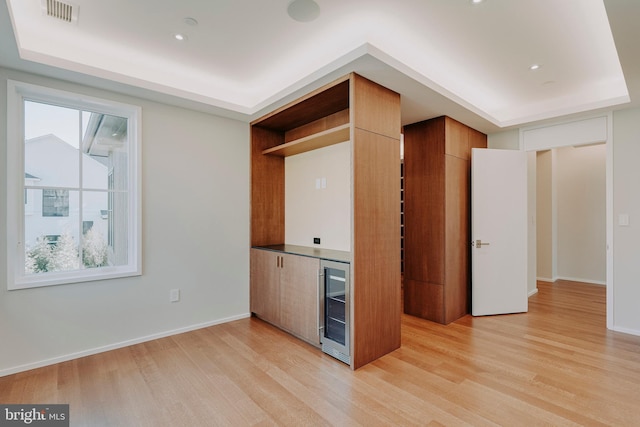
(325, 138)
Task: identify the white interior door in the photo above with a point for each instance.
(498, 232)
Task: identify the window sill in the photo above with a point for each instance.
(69, 277)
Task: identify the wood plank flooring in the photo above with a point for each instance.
(555, 366)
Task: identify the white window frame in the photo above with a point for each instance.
(17, 93)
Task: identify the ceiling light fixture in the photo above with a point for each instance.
(534, 67)
(190, 21)
(180, 37)
(476, 1)
(303, 10)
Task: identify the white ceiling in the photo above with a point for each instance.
(469, 61)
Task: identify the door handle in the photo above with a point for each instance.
(479, 244)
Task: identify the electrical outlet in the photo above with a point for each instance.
(316, 240)
(174, 295)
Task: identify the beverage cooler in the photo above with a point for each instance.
(335, 309)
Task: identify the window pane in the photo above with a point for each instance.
(52, 241)
(51, 144)
(104, 145)
(95, 227)
(55, 202)
(32, 200)
(118, 229)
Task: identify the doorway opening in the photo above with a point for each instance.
(571, 214)
(588, 137)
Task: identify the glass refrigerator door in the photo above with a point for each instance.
(335, 305)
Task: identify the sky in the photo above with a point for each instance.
(43, 119)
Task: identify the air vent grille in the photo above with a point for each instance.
(60, 10)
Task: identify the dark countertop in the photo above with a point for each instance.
(328, 254)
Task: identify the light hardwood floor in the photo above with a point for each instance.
(555, 366)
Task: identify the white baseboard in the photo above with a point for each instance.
(572, 279)
(578, 279)
(533, 292)
(89, 352)
(626, 330)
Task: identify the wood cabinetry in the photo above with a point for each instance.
(352, 109)
(264, 295)
(299, 297)
(284, 292)
(437, 164)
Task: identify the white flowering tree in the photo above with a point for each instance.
(38, 258)
(94, 250)
(65, 254)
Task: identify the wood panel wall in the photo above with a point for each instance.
(267, 189)
(376, 297)
(437, 218)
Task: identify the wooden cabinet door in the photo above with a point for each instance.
(299, 303)
(265, 285)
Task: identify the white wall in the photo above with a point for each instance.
(324, 212)
(580, 177)
(195, 221)
(545, 207)
(532, 226)
(507, 140)
(626, 200)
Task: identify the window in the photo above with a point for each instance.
(55, 202)
(73, 187)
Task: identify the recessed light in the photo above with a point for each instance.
(534, 67)
(303, 10)
(476, 1)
(180, 37)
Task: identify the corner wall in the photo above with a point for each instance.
(195, 237)
(580, 179)
(626, 200)
(545, 212)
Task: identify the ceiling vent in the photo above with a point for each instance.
(67, 12)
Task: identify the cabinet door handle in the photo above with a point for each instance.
(281, 262)
(321, 309)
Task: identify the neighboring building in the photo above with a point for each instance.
(55, 210)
